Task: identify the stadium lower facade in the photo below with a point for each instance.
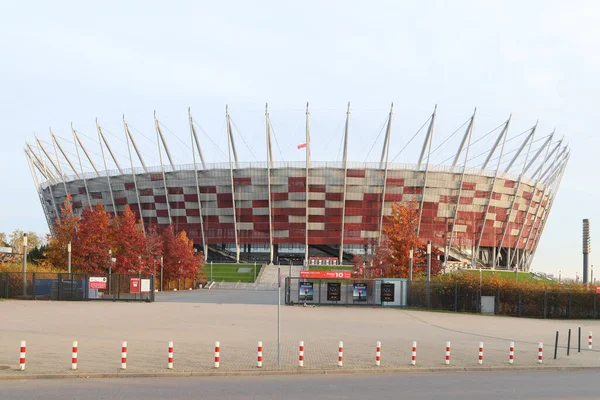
(298, 211)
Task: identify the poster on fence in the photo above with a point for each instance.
(98, 282)
(305, 291)
(387, 292)
(334, 290)
(360, 292)
(134, 285)
(145, 285)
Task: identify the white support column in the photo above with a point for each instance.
(307, 184)
(87, 191)
(345, 169)
(162, 168)
(466, 139)
(87, 155)
(36, 183)
(539, 231)
(230, 146)
(112, 155)
(526, 245)
(193, 138)
(50, 189)
(135, 186)
(60, 171)
(42, 149)
(502, 137)
(139, 154)
(545, 145)
(388, 133)
(269, 164)
(515, 193)
(428, 141)
(112, 198)
(57, 143)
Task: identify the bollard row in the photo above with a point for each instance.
(259, 361)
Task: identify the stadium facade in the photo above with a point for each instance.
(293, 211)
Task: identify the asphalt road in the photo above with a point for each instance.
(222, 296)
(447, 386)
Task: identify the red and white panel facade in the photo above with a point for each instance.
(353, 214)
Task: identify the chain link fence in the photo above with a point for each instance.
(74, 286)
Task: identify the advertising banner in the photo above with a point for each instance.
(98, 282)
(360, 292)
(326, 274)
(334, 291)
(145, 285)
(305, 291)
(134, 285)
(387, 292)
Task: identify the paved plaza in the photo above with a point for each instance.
(195, 320)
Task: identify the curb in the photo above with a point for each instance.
(406, 370)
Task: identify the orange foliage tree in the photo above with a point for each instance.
(180, 261)
(92, 241)
(64, 232)
(129, 246)
(391, 257)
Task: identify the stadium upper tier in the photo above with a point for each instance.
(489, 215)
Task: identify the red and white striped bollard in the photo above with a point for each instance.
(124, 355)
(22, 355)
(170, 356)
(511, 353)
(301, 354)
(413, 358)
(340, 353)
(447, 353)
(217, 354)
(260, 358)
(74, 356)
(480, 361)
(590, 341)
(378, 355)
(540, 352)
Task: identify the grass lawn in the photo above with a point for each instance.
(330, 267)
(523, 276)
(229, 272)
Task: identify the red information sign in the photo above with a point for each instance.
(134, 285)
(326, 274)
(597, 289)
(98, 282)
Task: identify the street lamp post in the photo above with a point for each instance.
(162, 267)
(24, 264)
(429, 274)
(69, 259)
(410, 264)
(428, 260)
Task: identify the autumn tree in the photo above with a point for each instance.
(153, 248)
(64, 232)
(180, 261)
(92, 241)
(129, 246)
(390, 258)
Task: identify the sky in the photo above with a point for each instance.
(72, 62)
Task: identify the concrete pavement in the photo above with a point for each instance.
(447, 386)
(50, 327)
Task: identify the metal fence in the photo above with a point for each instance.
(453, 296)
(443, 296)
(65, 286)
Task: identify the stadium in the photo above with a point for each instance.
(488, 215)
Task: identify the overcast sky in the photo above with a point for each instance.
(64, 62)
